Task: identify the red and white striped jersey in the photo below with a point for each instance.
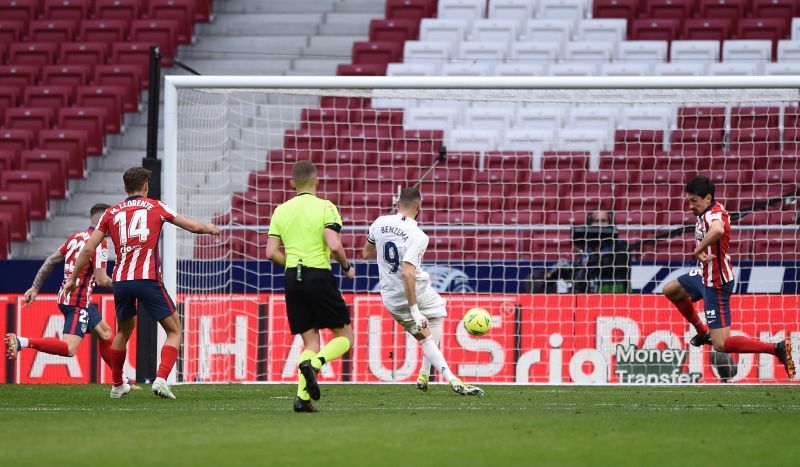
(82, 295)
(719, 271)
(134, 226)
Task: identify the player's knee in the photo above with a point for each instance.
(72, 350)
(718, 344)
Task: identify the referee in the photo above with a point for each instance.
(308, 228)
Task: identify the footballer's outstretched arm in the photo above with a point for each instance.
(194, 226)
(274, 252)
(44, 272)
(83, 259)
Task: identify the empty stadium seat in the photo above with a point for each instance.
(83, 53)
(549, 30)
(180, 11)
(734, 69)
(32, 53)
(747, 50)
(89, 119)
(103, 30)
(517, 10)
(35, 183)
(656, 29)
(72, 10)
(33, 119)
(396, 30)
(124, 10)
(679, 69)
(16, 140)
(788, 50)
(715, 29)
(461, 9)
(55, 163)
(519, 69)
(66, 75)
(19, 76)
(5, 235)
(589, 51)
(494, 30)
(443, 30)
(527, 140)
(572, 69)
(19, 10)
(601, 30)
(11, 30)
(18, 205)
(53, 97)
(493, 52)
(426, 52)
(411, 69)
(8, 159)
(572, 10)
(161, 32)
(725, 9)
(72, 141)
(133, 53)
(625, 69)
(110, 98)
(694, 51)
(628, 9)
(534, 51)
(643, 50)
(410, 9)
(376, 52)
(52, 30)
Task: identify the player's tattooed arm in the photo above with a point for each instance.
(41, 276)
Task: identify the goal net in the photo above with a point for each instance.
(555, 204)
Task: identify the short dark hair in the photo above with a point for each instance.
(135, 178)
(700, 186)
(409, 195)
(303, 173)
(98, 208)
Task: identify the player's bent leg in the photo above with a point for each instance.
(73, 342)
(683, 300)
(431, 350)
(718, 338)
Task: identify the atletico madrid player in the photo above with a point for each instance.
(714, 281)
(134, 226)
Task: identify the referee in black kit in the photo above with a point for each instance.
(308, 228)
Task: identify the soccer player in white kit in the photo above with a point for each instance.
(398, 245)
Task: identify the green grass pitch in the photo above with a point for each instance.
(388, 425)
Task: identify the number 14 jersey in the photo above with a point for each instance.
(134, 226)
(399, 240)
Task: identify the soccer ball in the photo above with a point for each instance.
(477, 321)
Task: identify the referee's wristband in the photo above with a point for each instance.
(349, 267)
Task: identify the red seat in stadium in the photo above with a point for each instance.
(35, 183)
(701, 118)
(549, 247)
(361, 69)
(778, 177)
(565, 160)
(11, 31)
(497, 246)
(516, 218)
(89, 119)
(457, 159)
(110, 98)
(32, 53)
(18, 205)
(724, 9)
(382, 117)
(16, 140)
(202, 11)
(325, 120)
(8, 159)
(308, 140)
(715, 29)
(84, 53)
(773, 29)
(66, 75)
(670, 9)
(72, 141)
(555, 177)
(755, 142)
(161, 32)
(125, 76)
(19, 10)
(628, 9)
(54, 97)
(424, 142)
(609, 177)
(124, 10)
(776, 246)
(656, 29)
(377, 52)
(103, 30)
(746, 118)
(19, 76)
(29, 118)
(367, 138)
(641, 142)
(501, 177)
(460, 217)
(180, 11)
(508, 160)
(781, 9)
(5, 235)
(52, 30)
(56, 163)
(410, 9)
(263, 180)
(72, 10)
(393, 30)
(133, 53)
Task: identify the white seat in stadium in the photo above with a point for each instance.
(747, 50)
(679, 69)
(642, 51)
(625, 69)
(734, 69)
(574, 139)
(518, 10)
(548, 30)
(481, 50)
(519, 69)
(529, 51)
(796, 29)
(588, 51)
(458, 105)
(450, 30)
(541, 117)
(461, 9)
(518, 139)
(789, 50)
(782, 68)
(412, 69)
(467, 69)
(430, 52)
(647, 117)
(608, 30)
(593, 117)
(573, 10)
(494, 30)
(426, 118)
(466, 139)
(488, 118)
(572, 69)
(694, 51)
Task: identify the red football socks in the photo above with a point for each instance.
(49, 345)
(168, 356)
(686, 307)
(104, 347)
(741, 344)
(117, 358)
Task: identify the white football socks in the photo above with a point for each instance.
(436, 326)
(434, 355)
(23, 342)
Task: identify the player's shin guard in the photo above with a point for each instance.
(335, 349)
(168, 356)
(432, 353)
(686, 307)
(741, 344)
(436, 326)
(301, 380)
(49, 345)
(117, 358)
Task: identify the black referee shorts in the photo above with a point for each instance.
(315, 302)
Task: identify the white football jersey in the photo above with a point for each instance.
(398, 240)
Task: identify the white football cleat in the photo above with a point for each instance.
(161, 389)
(119, 391)
(465, 389)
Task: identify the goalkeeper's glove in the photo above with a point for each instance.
(419, 319)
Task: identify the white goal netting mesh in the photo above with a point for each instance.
(561, 212)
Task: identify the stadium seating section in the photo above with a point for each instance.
(69, 69)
